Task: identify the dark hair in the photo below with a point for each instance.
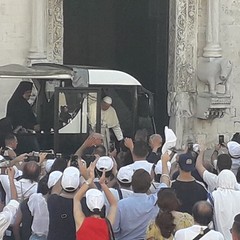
(31, 171)
(100, 150)
(10, 137)
(123, 159)
(141, 135)
(140, 149)
(167, 202)
(96, 211)
(59, 165)
(127, 185)
(141, 181)
(224, 161)
(99, 173)
(202, 212)
(236, 225)
(236, 137)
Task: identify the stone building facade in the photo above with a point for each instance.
(204, 38)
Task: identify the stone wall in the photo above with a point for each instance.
(15, 25)
(207, 131)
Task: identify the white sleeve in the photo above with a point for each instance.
(118, 132)
(6, 186)
(7, 215)
(210, 179)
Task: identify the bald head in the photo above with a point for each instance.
(202, 213)
(155, 141)
(31, 171)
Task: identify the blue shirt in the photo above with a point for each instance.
(134, 214)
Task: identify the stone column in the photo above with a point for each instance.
(55, 31)
(183, 25)
(37, 51)
(213, 48)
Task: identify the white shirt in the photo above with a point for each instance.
(211, 180)
(191, 232)
(24, 187)
(38, 207)
(7, 215)
(142, 164)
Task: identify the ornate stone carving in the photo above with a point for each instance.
(209, 107)
(55, 31)
(183, 45)
(182, 67)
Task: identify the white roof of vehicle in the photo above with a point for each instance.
(78, 74)
(110, 77)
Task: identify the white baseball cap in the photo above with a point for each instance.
(104, 162)
(107, 100)
(53, 178)
(94, 199)
(70, 179)
(158, 167)
(49, 164)
(125, 174)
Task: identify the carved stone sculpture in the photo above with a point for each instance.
(214, 71)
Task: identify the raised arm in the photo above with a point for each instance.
(16, 161)
(215, 154)
(13, 189)
(93, 139)
(128, 142)
(77, 208)
(199, 164)
(111, 199)
(17, 224)
(165, 178)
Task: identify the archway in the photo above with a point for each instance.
(131, 36)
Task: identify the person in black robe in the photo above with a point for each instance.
(20, 113)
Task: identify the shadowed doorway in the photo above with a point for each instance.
(127, 35)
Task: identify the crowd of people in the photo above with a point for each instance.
(141, 190)
(144, 191)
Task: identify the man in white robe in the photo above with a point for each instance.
(109, 119)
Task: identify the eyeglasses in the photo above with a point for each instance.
(230, 230)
